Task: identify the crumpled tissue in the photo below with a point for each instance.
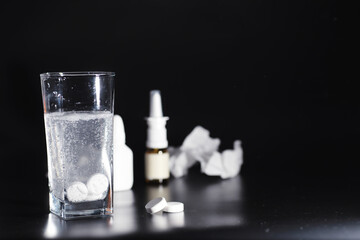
(198, 146)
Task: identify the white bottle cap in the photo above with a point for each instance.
(119, 131)
(123, 175)
(156, 133)
(155, 104)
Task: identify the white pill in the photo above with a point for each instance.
(97, 184)
(174, 207)
(92, 197)
(156, 205)
(77, 192)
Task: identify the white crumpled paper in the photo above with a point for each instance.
(198, 146)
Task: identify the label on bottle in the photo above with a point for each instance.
(157, 166)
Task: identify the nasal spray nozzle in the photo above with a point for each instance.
(156, 133)
(155, 104)
(156, 155)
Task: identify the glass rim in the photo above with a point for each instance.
(77, 74)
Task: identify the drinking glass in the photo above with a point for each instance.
(78, 114)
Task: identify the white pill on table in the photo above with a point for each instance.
(174, 207)
(97, 184)
(156, 205)
(77, 192)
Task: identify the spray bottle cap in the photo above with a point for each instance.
(156, 133)
(155, 104)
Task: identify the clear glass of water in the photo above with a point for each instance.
(78, 114)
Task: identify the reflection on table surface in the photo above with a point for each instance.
(217, 203)
(256, 207)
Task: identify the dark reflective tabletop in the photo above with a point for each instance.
(240, 208)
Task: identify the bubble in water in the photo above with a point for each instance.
(79, 146)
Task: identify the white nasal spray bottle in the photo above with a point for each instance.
(123, 158)
(156, 155)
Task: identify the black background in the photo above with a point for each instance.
(266, 72)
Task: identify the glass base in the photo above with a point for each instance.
(67, 210)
